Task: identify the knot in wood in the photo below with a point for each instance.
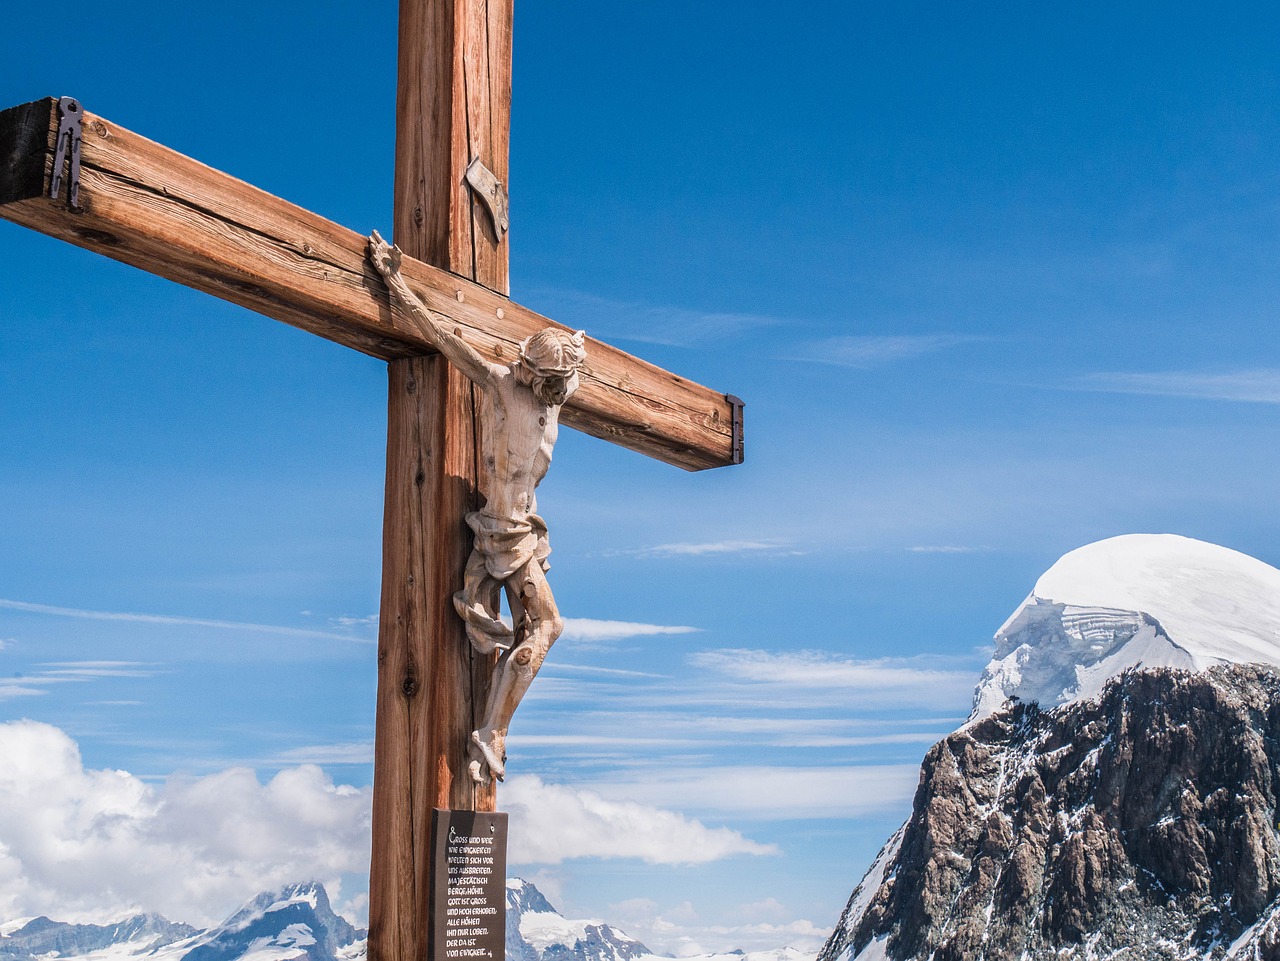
(99, 237)
(409, 686)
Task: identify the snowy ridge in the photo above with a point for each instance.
(1139, 600)
(536, 931)
(867, 889)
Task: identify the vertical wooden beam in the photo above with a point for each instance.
(452, 105)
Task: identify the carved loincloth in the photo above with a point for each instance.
(508, 544)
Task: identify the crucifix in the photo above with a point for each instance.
(81, 178)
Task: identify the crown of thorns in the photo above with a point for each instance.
(552, 352)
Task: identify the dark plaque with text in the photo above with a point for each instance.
(469, 896)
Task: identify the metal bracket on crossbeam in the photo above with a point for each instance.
(739, 448)
(68, 153)
(492, 193)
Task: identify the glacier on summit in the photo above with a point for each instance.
(1138, 600)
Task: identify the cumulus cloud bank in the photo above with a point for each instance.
(85, 843)
(552, 823)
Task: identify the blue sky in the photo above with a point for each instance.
(995, 281)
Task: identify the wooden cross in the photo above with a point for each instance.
(81, 178)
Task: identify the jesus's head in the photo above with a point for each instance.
(549, 362)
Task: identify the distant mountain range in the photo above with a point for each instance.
(297, 923)
(293, 924)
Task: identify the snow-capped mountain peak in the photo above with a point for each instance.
(296, 923)
(1139, 600)
(536, 931)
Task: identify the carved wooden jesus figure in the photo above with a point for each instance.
(519, 419)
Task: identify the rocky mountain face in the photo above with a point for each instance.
(1140, 824)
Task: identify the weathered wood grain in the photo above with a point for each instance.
(403, 666)
(425, 670)
(149, 206)
(431, 684)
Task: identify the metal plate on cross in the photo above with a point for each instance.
(469, 896)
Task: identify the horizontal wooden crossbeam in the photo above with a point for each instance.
(149, 206)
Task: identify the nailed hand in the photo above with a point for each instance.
(385, 256)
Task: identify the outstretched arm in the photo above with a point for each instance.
(436, 328)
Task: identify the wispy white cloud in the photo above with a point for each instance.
(782, 792)
(636, 734)
(944, 549)
(367, 620)
(875, 351)
(87, 670)
(171, 619)
(346, 752)
(782, 727)
(1257, 386)
(591, 629)
(821, 669)
(560, 666)
(727, 683)
(553, 823)
(622, 741)
(16, 688)
(860, 740)
(713, 548)
(39, 680)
